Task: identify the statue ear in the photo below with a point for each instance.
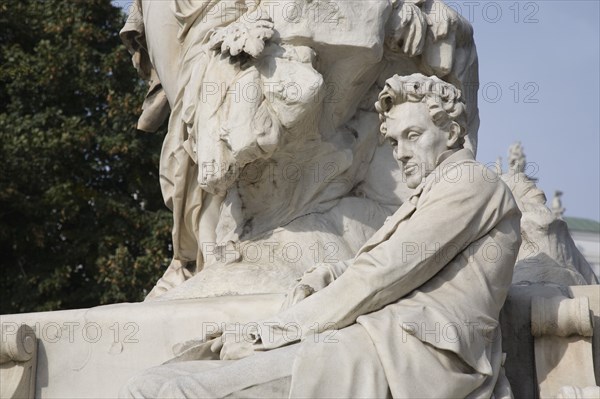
(453, 135)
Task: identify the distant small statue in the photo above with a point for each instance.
(548, 253)
(516, 158)
(517, 162)
(557, 209)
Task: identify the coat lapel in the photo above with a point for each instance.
(389, 227)
(408, 207)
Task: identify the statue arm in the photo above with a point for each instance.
(314, 279)
(454, 214)
(333, 270)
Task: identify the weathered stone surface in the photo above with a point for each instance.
(273, 136)
(91, 353)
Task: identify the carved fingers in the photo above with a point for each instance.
(236, 342)
(315, 279)
(297, 294)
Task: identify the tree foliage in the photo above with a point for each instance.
(82, 221)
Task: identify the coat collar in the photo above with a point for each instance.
(385, 231)
(446, 159)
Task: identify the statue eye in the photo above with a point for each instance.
(412, 136)
(393, 142)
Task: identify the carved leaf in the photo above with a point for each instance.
(248, 37)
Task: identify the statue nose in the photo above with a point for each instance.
(403, 154)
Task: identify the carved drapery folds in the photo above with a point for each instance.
(273, 131)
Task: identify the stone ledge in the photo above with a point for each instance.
(91, 353)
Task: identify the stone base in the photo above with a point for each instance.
(91, 353)
(518, 341)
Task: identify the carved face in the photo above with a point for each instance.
(416, 140)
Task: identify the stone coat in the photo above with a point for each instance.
(439, 269)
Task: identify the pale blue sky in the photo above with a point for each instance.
(539, 70)
(559, 55)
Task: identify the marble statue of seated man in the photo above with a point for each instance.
(415, 313)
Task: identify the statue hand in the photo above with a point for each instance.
(236, 342)
(313, 280)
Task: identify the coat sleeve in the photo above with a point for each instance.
(453, 214)
(334, 269)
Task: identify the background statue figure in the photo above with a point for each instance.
(272, 147)
(548, 253)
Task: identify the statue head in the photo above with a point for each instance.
(422, 117)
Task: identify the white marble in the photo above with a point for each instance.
(91, 353)
(272, 161)
(388, 310)
(18, 361)
(396, 259)
(548, 253)
(564, 352)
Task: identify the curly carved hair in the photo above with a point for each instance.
(442, 98)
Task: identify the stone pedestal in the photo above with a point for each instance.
(91, 353)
